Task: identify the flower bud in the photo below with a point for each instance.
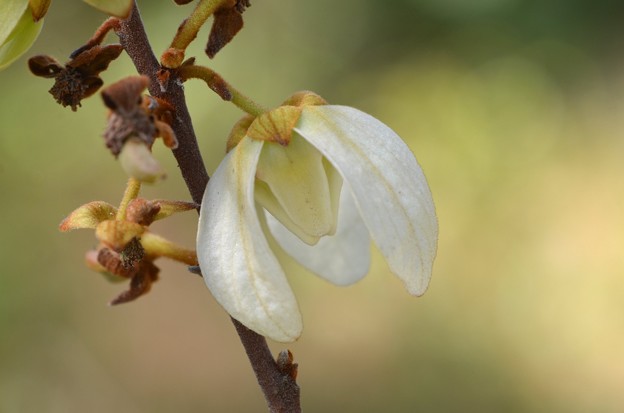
(138, 162)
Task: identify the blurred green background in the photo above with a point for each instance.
(514, 110)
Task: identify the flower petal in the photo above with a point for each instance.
(292, 183)
(236, 261)
(389, 186)
(12, 11)
(18, 31)
(117, 8)
(343, 258)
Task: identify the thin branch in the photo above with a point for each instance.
(276, 380)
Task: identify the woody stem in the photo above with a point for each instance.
(279, 387)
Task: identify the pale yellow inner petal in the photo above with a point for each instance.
(299, 188)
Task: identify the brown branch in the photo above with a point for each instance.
(133, 38)
(277, 380)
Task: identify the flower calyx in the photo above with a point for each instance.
(134, 122)
(275, 125)
(127, 248)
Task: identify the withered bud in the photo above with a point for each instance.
(142, 211)
(78, 79)
(285, 364)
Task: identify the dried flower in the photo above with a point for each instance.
(134, 122)
(78, 79)
(127, 249)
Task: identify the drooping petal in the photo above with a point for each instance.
(341, 259)
(237, 264)
(389, 186)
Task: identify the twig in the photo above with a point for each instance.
(277, 382)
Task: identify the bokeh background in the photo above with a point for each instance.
(514, 108)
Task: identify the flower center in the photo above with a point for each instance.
(299, 187)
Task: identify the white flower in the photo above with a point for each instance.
(323, 223)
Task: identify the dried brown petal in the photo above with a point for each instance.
(91, 260)
(96, 59)
(44, 66)
(139, 285)
(126, 94)
(227, 22)
(168, 135)
(241, 5)
(111, 262)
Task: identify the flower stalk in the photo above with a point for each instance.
(226, 91)
(132, 191)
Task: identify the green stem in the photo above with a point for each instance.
(221, 87)
(157, 246)
(132, 191)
